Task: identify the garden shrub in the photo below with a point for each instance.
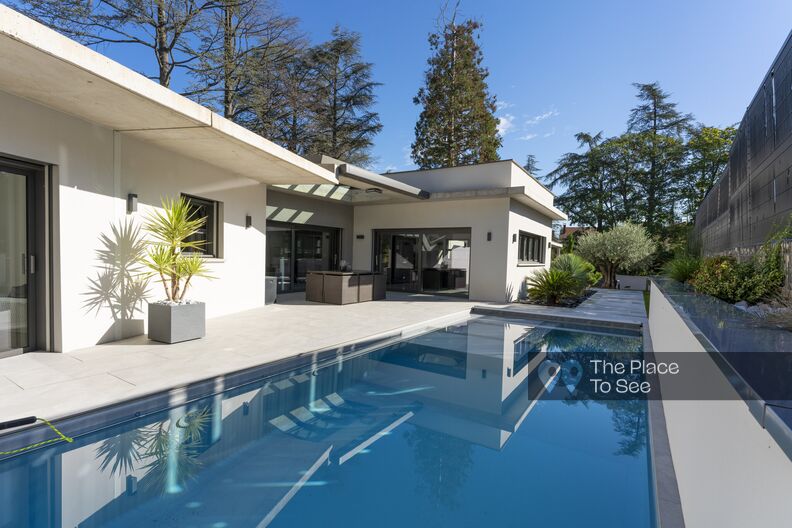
(550, 286)
(720, 277)
(583, 271)
(682, 268)
(751, 281)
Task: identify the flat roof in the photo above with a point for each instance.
(506, 160)
(43, 66)
(519, 194)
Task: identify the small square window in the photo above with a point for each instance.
(209, 232)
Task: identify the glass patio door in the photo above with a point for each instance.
(279, 257)
(435, 261)
(405, 263)
(17, 262)
(293, 251)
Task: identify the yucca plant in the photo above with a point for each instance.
(170, 256)
(551, 285)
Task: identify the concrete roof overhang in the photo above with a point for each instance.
(519, 194)
(40, 65)
(365, 180)
(354, 196)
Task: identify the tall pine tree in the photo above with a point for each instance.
(344, 124)
(661, 129)
(587, 188)
(457, 125)
(531, 165)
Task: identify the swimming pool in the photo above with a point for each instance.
(452, 427)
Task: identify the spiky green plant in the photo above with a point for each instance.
(682, 268)
(551, 285)
(171, 254)
(583, 271)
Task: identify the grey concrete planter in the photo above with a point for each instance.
(177, 322)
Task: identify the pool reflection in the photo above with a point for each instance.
(443, 427)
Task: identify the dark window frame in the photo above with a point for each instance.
(211, 247)
(531, 248)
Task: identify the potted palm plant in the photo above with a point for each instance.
(172, 258)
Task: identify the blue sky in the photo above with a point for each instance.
(557, 67)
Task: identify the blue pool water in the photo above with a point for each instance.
(448, 428)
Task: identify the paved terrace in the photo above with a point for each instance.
(52, 385)
(616, 307)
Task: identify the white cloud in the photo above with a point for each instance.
(541, 117)
(505, 124)
(548, 134)
(527, 137)
(503, 105)
(390, 168)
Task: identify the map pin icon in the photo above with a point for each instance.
(548, 374)
(571, 373)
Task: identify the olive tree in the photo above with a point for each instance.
(622, 248)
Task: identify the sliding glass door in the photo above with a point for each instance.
(424, 260)
(405, 264)
(279, 256)
(17, 257)
(294, 250)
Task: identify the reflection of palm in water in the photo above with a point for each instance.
(122, 451)
(163, 448)
(442, 462)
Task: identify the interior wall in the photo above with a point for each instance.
(12, 231)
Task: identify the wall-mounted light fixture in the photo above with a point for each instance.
(131, 485)
(549, 245)
(131, 203)
(514, 237)
(489, 236)
(360, 237)
(248, 221)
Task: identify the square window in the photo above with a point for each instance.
(208, 234)
(531, 249)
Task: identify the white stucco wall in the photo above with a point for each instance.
(537, 191)
(487, 267)
(523, 218)
(731, 473)
(292, 208)
(95, 170)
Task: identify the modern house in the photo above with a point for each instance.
(474, 231)
(87, 145)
